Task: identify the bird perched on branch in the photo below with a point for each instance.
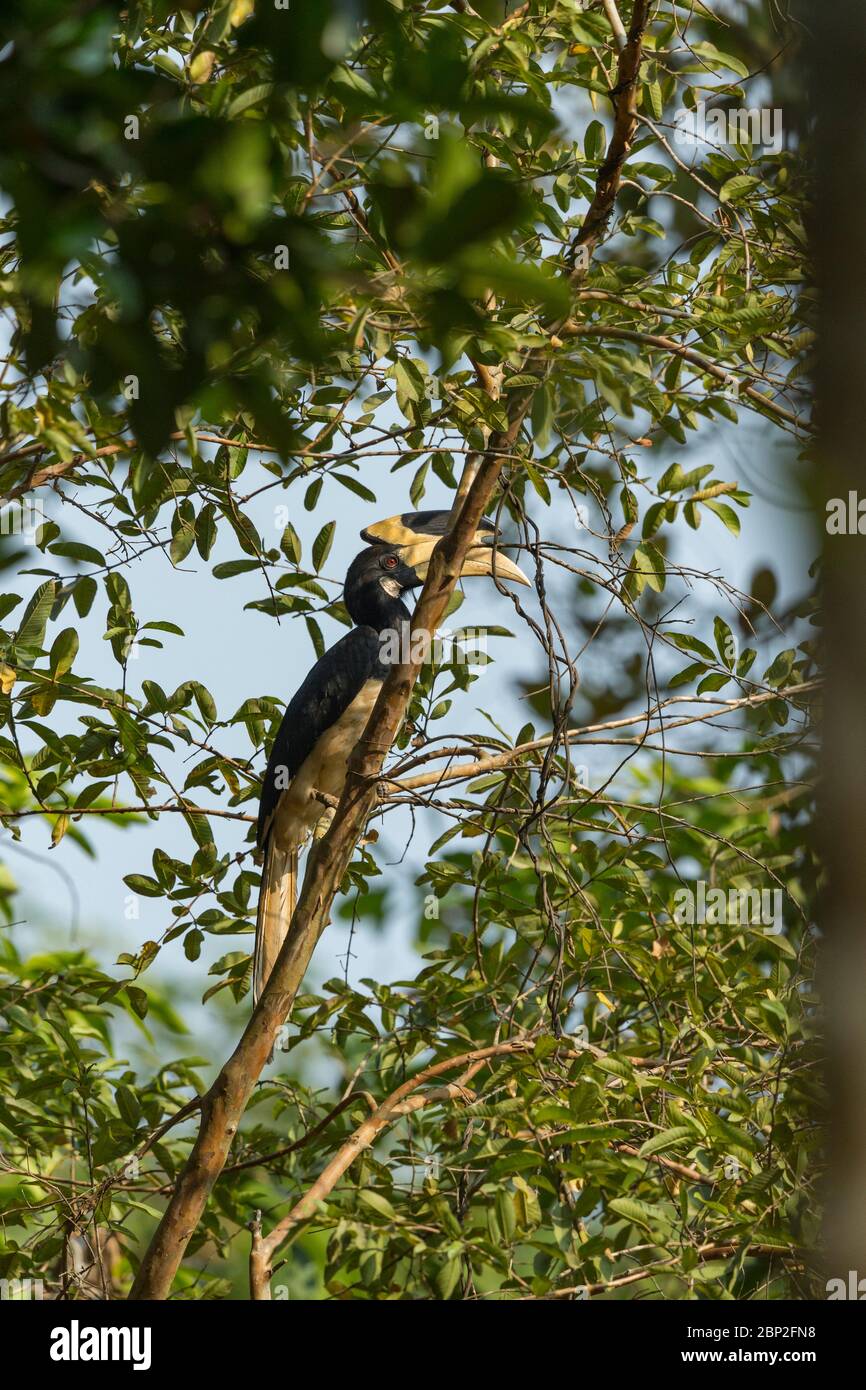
(323, 722)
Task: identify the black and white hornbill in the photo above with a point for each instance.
(329, 713)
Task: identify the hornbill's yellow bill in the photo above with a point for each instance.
(415, 534)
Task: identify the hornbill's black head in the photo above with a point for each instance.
(374, 585)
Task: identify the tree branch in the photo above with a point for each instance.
(400, 1102)
(624, 98)
(224, 1103)
(498, 761)
(705, 1252)
(142, 810)
(615, 23)
(697, 359)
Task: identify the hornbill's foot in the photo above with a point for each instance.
(325, 797)
(330, 804)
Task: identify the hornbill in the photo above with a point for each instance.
(325, 719)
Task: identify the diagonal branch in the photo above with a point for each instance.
(697, 359)
(496, 761)
(224, 1104)
(400, 1102)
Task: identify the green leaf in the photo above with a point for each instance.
(75, 550)
(31, 632)
(448, 1276)
(377, 1202)
(778, 673)
(595, 140)
(141, 883)
(714, 681)
(322, 545)
(672, 1138)
(725, 513)
(650, 562)
(687, 675)
(640, 1213)
(253, 96)
(183, 539)
(354, 486)
(206, 530)
(416, 490)
(716, 59)
(725, 644)
(63, 652)
(83, 595)
(594, 1133)
(687, 643)
(227, 569)
(192, 944)
(7, 603)
(542, 416)
(128, 1106)
(316, 637)
(290, 544)
(205, 702)
(138, 999)
(735, 189)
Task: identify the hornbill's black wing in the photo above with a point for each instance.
(326, 693)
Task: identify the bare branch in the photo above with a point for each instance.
(400, 1102)
(513, 755)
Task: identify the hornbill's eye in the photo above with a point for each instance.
(390, 562)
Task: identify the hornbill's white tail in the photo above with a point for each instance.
(277, 898)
